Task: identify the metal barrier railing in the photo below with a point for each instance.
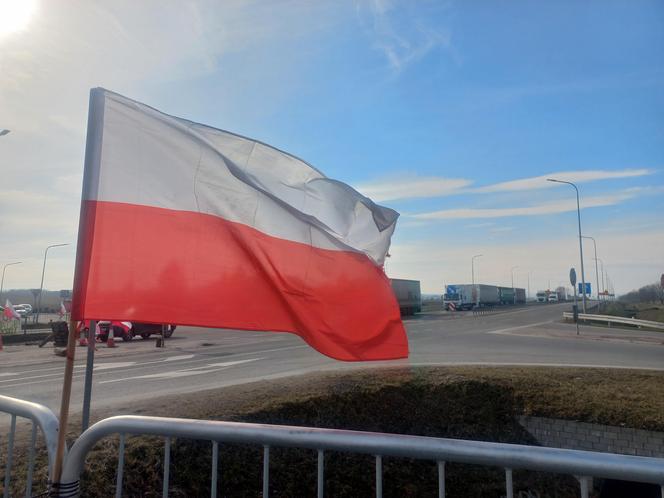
(609, 319)
(41, 418)
(484, 310)
(585, 464)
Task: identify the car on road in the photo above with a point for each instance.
(23, 309)
(147, 329)
(553, 298)
(128, 330)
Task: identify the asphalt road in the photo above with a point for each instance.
(199, 359)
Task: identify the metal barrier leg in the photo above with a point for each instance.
(10, 456)
(167, 467)
(266, 471)
(584, 483)
(441, 479)
(321, 474)
(31, 461)
(118, 481)
(215, 472)
(509, 488)
(379, 476)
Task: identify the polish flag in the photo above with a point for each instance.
(9, 311)
(186, 224)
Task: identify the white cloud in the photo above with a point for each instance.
(582, 176)
(412, 188)
(436, 262)
(544, 208)
(412, 41)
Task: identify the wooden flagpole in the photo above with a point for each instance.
(64, 404)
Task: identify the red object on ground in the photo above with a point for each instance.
(110, 342)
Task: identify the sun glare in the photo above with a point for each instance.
(15, 15)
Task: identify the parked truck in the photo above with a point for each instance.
(469, 296)
(408, 295)
(549, 296)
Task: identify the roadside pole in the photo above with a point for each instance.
(89, 367)
(572, 280)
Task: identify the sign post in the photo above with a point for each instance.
(575, 308)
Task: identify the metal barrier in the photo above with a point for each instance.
(616, 319)
(508, 456)
(485, 310)
(41, 418)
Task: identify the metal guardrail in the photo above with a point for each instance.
(585, 464)
(41, 418)
(616, 319)
(485, 310)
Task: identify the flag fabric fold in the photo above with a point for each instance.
(186, 224)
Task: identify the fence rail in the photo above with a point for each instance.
(584, 464)
(616, 319)
(42, 418)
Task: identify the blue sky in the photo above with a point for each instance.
(429, 107)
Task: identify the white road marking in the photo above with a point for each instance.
(519, 327)
(108, 366)
(57, 374)
(178, 358)
(231, 363)
(22, 384)
(7, 374)
(210, 367)
(138, 365)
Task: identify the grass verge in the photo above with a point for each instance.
(460, 402)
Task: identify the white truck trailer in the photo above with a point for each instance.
(469, 296)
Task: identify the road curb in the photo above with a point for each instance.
(25, 338)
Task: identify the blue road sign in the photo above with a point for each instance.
(587, 288)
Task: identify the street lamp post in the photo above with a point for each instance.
(596, 270)
(578, 213)
(513, 289)
(601, 263)
(41, 286)
(472, 271)
(2, 282)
